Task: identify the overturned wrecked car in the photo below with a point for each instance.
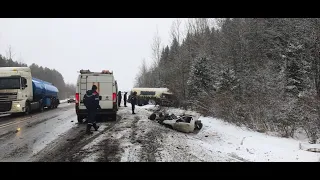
(183, 123)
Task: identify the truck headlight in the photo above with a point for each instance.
(18, 105)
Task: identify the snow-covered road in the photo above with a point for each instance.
(56, 136)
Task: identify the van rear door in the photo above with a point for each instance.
(105, 89)
(106, 84)
(86, 82)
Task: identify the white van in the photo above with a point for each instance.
(107, 89)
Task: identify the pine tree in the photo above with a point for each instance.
(200, 81)
(294, 79)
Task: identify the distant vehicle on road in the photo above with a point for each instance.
(71, 99)
(22, 93)
(107, 89)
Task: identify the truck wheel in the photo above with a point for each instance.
(80, 119)
(28, 110)
(41, 108)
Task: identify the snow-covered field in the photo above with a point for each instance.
(250, 146)
(219, 136)
(141, 139)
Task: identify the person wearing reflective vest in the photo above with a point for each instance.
(91, 101)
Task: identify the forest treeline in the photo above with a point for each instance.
(263, 73)
(50, 75)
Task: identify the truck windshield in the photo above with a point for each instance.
(10, 83)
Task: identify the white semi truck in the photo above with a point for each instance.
(21, 93)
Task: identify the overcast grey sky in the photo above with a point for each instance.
(69, 45)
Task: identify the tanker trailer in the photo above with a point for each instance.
(22, 93)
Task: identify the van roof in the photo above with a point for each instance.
(95, 73)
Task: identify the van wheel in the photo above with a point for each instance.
(80, 119)
(114, 117)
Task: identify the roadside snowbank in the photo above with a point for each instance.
(253, 146)
(217, 135)
(136, 138)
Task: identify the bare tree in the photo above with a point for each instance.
(10, 53)
(219, 22)
(212, 22)
(156, 47)
(190, 26)
(141, 79)
(201, 24)
(176, 30)
(198, 25)
(180, 67)
(20, 60)
(156, 53)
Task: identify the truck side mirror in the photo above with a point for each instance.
(100, 97)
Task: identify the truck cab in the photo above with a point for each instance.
(107, 89)
(15, 89)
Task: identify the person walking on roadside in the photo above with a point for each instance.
(133, 101)
(119, 98)
(91, 101)
(125, 99)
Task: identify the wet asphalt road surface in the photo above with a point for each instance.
(23, 136)
(41, 136)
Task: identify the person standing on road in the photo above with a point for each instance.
(125, 99)
(91, 101)
(119, 98)
(133, 101)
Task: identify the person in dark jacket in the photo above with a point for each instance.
(91, 101)
(119, 98)
(125, 99)
(133, 100)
